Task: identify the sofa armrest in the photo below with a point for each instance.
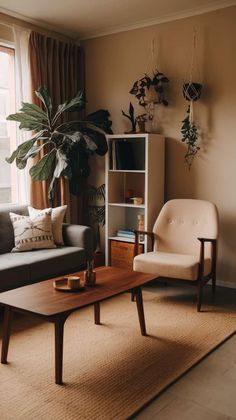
(81, 236)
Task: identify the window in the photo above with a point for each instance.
(7, 130)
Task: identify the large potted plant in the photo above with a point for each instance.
(66, 146)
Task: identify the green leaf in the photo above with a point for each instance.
(43, 94)
(101, 120)
(27, 122)
(98, 139)
(34, 150)
(23, 149)
(13, 156)
(43, 169)
(67, 173)
(131, 110)
(21, 163)
(74, 105)
(61, 164)
(74, 137)
(34, 111)
(90, 143)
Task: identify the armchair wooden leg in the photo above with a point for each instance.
(199, 295)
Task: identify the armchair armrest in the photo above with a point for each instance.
(80, 236)
(202, 252)
(141, 232)
(207, 240)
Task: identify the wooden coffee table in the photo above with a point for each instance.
(44, 302)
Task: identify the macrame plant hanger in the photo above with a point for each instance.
(150, 104)
(191, 92)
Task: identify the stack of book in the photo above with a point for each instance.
(121, 155)
(126, 233)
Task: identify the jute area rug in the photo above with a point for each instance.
(110, 370)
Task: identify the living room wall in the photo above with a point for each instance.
(114, 62)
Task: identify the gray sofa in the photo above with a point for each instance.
(21, 268)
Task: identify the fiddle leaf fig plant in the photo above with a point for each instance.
(63, 147)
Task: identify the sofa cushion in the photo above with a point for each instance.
(32, 232)
(58, 214)
(47, 263)
(14, 273)
(20, 269)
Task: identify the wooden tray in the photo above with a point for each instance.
(62, 286)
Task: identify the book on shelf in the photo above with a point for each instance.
(126, 233)
(121, 155)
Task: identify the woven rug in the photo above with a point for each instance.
(110, 370)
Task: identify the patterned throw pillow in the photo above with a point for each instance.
(58, 214)
(32, 233)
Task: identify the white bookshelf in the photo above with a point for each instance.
(146, 180)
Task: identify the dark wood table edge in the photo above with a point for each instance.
(58, 320)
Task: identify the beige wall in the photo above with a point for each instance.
(114, 62)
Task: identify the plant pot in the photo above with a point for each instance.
(192, 91)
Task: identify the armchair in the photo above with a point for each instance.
(184, 240)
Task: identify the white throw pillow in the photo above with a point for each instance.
(58, 214)
(32, 232)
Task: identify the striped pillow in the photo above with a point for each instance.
(32, 232)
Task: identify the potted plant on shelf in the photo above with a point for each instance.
(140, 120)
(66, 146)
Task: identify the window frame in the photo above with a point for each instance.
(11, 127)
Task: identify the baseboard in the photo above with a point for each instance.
(229, 284)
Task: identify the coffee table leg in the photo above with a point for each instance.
(139, 302)
(6, 333)
(97, 313)
(59, 333)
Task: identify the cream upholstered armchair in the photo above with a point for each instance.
(184, 242)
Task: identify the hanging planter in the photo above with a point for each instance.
(141, 89)
(191, 92)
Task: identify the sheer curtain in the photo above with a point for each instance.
(23, 94)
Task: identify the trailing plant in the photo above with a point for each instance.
(66, 146)
(190, 137)
(145, 83)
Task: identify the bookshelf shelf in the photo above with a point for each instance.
(134, 168)
(124, 239)
(137, 206)
(128, 171)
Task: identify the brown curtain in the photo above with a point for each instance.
(60, 67)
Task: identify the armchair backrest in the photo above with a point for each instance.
(181, 222)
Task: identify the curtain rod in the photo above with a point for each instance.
(32, 27)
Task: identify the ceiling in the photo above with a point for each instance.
(81, 19)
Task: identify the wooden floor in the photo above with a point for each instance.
(207, 391)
